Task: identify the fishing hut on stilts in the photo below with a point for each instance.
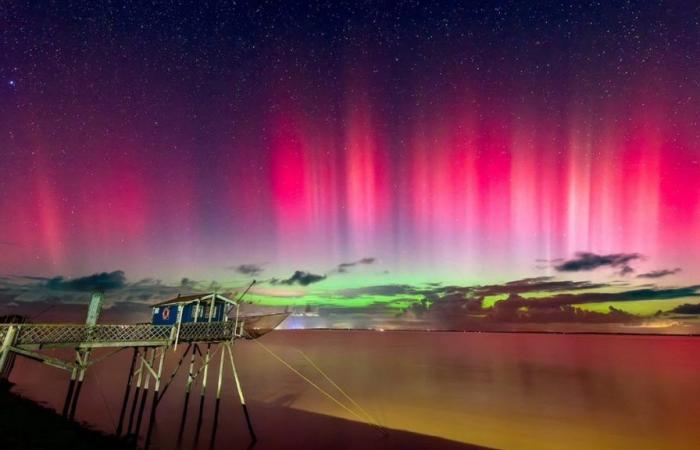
(206, 324)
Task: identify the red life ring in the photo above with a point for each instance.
(166, 313)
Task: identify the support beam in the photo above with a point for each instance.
(6, 350)
(156, 389)
(81, 359)
(49, 361)
(144, 395)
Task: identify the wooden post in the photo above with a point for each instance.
(221, 372)
(137, 391)
(206, 372)
(190, 374)
(145, 390)
(180, 308)
(240, 394)
(154, 406)
(81, 357)
(95, 308)
(127, 390)
(6, 350)
(188, 386)
(69, 394)
(217, 405)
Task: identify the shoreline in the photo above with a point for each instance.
(26, 424)
(410, 330)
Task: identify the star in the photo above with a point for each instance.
(12, 83)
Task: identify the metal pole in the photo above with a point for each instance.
(127, 390)
(240, 394)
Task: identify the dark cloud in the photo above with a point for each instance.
(105, 281)
(585, 261)
(382, 290)
(343, 267)
(462, 307)
(435, 291)
(686, 308)
(559, 300)
(659, 273)
(252, 270)
(301, 278)
(536, 284)
(187, 283)
(509, 311)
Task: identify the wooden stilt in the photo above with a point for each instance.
(69, 394)
(240, 394)
(198, 427)
(215, 424)
(190, 374)
(202, 394)
(137, 391)
(188, 386)
(82, 358)
(146, 386)
(206, 371)
(221, 373)
(127, 391)
(156, 399)
(6, 359)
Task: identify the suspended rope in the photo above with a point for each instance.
(368, 416)
(316, 386)
(177, 368)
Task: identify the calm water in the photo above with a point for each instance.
(432, 390)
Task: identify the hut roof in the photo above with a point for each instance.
(207, 296)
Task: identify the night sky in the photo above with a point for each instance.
(348, 154)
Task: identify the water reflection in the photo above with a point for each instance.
(493, 390)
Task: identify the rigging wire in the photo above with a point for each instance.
(317, 387)
(335, 385)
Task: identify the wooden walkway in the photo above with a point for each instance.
(29, 336)
(149, 343)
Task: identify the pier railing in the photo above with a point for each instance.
(77, 335)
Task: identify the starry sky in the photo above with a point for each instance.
(352, 154)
